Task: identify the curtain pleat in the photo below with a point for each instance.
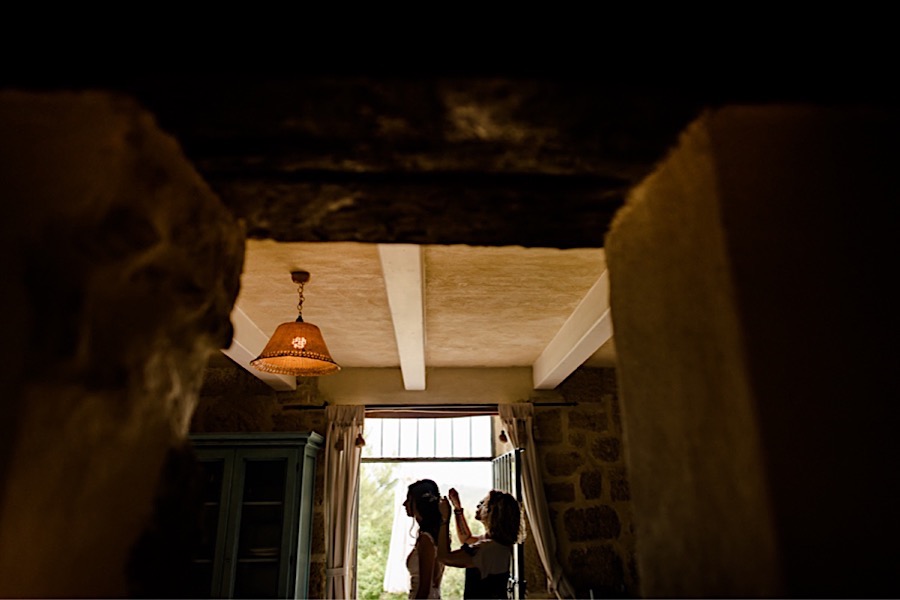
(342, 459)
(518, 419)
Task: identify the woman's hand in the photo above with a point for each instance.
(444, 507)
(454, 498)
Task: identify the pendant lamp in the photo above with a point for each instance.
(296, 348)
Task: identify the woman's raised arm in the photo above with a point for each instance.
(457, 558)
(462, 526)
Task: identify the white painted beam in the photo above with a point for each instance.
(404, 282)
(247, 343)
(587, 328)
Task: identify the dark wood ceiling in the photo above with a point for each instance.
(480, 159)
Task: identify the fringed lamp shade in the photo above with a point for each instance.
(296, 349)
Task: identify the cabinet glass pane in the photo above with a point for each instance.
(262, 526)
(256, 580)
(264, 480)
(200, 583)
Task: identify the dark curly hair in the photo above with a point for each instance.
(503, 518)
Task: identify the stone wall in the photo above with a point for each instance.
(581, 453)
(586, 485)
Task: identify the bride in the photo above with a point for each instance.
(425, 572)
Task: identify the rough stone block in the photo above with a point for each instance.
(619, 489)
(233, 414)
(597, 522)
(288, 421)
(591, 417)
(591, 484)
(560, 464)
(217, 382)
(316, 579)
(535, 576)
(299, 420)
(616, 409)
(596, 572)
(548, 425)
(578, 439)
(317, 543)
(231, 380)
(587, 385)
(559, 492)
(607, 449)
(319, 495)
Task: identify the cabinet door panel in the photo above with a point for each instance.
(265, 479)
(207, 572)
(256, 580)
(262, 549)
(257, 515)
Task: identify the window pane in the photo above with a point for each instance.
(444, 442)
(481, 436)
(445, 437)
(409, 437)
(390, 447)
(426, 438)
(373, 437)
(461, 438)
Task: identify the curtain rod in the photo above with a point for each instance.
(451, 407)
(429, 407)
(304, 406)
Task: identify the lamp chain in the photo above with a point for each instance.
(300, 301)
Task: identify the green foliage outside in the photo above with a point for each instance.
(376, 515)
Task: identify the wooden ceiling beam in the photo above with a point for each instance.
(405, 286)
(587, 328)
(248, 341)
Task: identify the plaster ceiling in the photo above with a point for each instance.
(472, 306)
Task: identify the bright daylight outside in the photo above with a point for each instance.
(454, 452)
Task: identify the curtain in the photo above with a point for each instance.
(518, 420)
(342, 458)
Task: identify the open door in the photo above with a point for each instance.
(507, 470)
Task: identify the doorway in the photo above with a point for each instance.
(454, 451)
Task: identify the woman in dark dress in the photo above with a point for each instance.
(486, 558)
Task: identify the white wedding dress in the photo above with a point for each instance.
(412, 564)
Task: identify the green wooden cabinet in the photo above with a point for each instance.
(257, 514)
